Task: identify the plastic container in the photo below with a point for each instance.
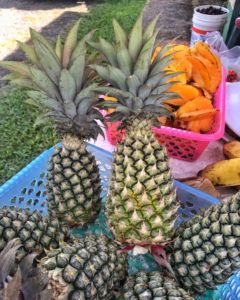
(231, 290)
(183, 144)
(26, 189)
(203, 23)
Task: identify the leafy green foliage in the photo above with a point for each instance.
(20, 140)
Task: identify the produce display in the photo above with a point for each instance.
(141, 84)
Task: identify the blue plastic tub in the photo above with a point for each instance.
(26, 189)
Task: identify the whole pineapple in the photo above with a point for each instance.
(141, 205)
(59, 81)
(36, 233)
(153, 286)
(206, 250)
(90, 268)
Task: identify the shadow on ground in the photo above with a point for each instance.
(38, 4)
(59, 25)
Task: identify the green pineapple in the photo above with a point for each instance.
(36, 233)
(153, 286)
(141, 205)
(90, 268)
(206, 250)
(59, 80)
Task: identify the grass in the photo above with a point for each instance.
(20, 140)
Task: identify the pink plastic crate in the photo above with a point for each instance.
(183, 144)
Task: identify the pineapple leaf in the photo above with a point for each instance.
(16, 67)
(68, 91)
(86, 92)
(14, 286)
(44, 83)
(144, 91)
(103, 72)
(161, 54)
(59, 47)
(108, 51)
(136, 38)
(124, 60)
(118, 76)
(119, 94)
(26, 83)
(70, 44)
(10, 76)
(120, 34)
(43, 100)
(81, 46)
(29, 52)
(37, 36)
(48, 61)
(133, 84)
(77, 70)
(149, 31)
(85, 104)
(161, 65)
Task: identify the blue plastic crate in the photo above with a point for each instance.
(26, 189)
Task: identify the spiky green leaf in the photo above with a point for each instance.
(77, 70)
(48, 61)
(120, 35)
(29, 52)
(136, 38)
(26, 83)
(124, 60)
(43, 100)
(44, 83)
(84, 93)
(133, 84)
(108, 51)
(16, 67)
(67, 86)
(59, 47)
(81, 46)
(70, 44)
(149, 31)
(144, 91)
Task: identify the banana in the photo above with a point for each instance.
(232, 149)
(225, 172)
(70, 44)
(136, 38)
(120, 34)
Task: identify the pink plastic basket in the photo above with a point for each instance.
(183, 144)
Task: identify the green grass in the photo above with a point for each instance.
(20, 141)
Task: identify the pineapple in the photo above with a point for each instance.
(206, 250)
(35, 232)
(141, 206)
(90, 268)
(21, 281)
(59, 81)
(151, 286)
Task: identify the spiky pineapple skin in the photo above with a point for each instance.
(206, 250)
(141, 205)
(153, 286)
(74, 184)
(88, 269)
(35, 232)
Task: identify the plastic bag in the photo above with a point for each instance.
(230, 58)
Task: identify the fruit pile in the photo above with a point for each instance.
(141, 206)
(201, 75)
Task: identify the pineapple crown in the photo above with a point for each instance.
(57, 78)
(138, 81)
